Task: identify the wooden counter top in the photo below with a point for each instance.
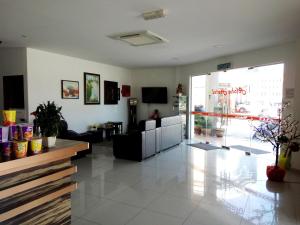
(63, 149)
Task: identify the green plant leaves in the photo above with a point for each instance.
(48, 118)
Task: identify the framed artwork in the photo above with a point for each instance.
(125, 90)
(110, 92)
(69, 89)
(91, 88)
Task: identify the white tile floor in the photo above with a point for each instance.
(183, 185)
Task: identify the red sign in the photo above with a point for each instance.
(231, 91)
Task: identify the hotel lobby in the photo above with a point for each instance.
(97, 60)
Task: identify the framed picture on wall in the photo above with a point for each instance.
(110, 92)
(91, 88)
(69, 89)
(125, 90)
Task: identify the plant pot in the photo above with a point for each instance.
(197, 130)
(275, 173)
(206, 131)
(220, 132)
(49, 142)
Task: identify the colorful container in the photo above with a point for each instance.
(20, 149)
(6, 149)
(25, 132)
(36, 146)
(4, 134)
(13, 133)
(9, 117)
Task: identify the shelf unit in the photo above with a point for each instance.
(180, 104)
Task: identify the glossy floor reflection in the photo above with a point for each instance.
(183, 185)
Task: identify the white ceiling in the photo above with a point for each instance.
(193, 27)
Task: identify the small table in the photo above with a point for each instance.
(112, 128)
(109, 131)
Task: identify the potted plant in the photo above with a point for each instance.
(197, 124)
(206, 125)
(219, 129)
(47, 118)
(283, 134)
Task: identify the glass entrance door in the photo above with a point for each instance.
(226, 105)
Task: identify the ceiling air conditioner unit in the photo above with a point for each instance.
(139, 38)
(154, 14)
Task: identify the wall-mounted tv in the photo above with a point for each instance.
(155, 95)
(13, 92)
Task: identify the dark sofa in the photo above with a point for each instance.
(64, 133)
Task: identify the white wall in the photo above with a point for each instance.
(158, 77)
(13, 62)
(283, 53)
(45, 72)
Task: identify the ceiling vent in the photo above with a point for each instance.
(139, 38)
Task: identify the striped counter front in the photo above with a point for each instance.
(36, 190)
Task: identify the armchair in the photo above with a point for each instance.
(136, 145)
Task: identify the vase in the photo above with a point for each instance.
(285, 161)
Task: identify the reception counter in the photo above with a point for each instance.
(37, 189)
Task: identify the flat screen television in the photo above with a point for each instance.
(155, 95)
(13, 92)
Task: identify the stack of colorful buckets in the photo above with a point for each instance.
(16, 140)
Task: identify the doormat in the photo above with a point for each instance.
(248, 149)
(203, 146)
